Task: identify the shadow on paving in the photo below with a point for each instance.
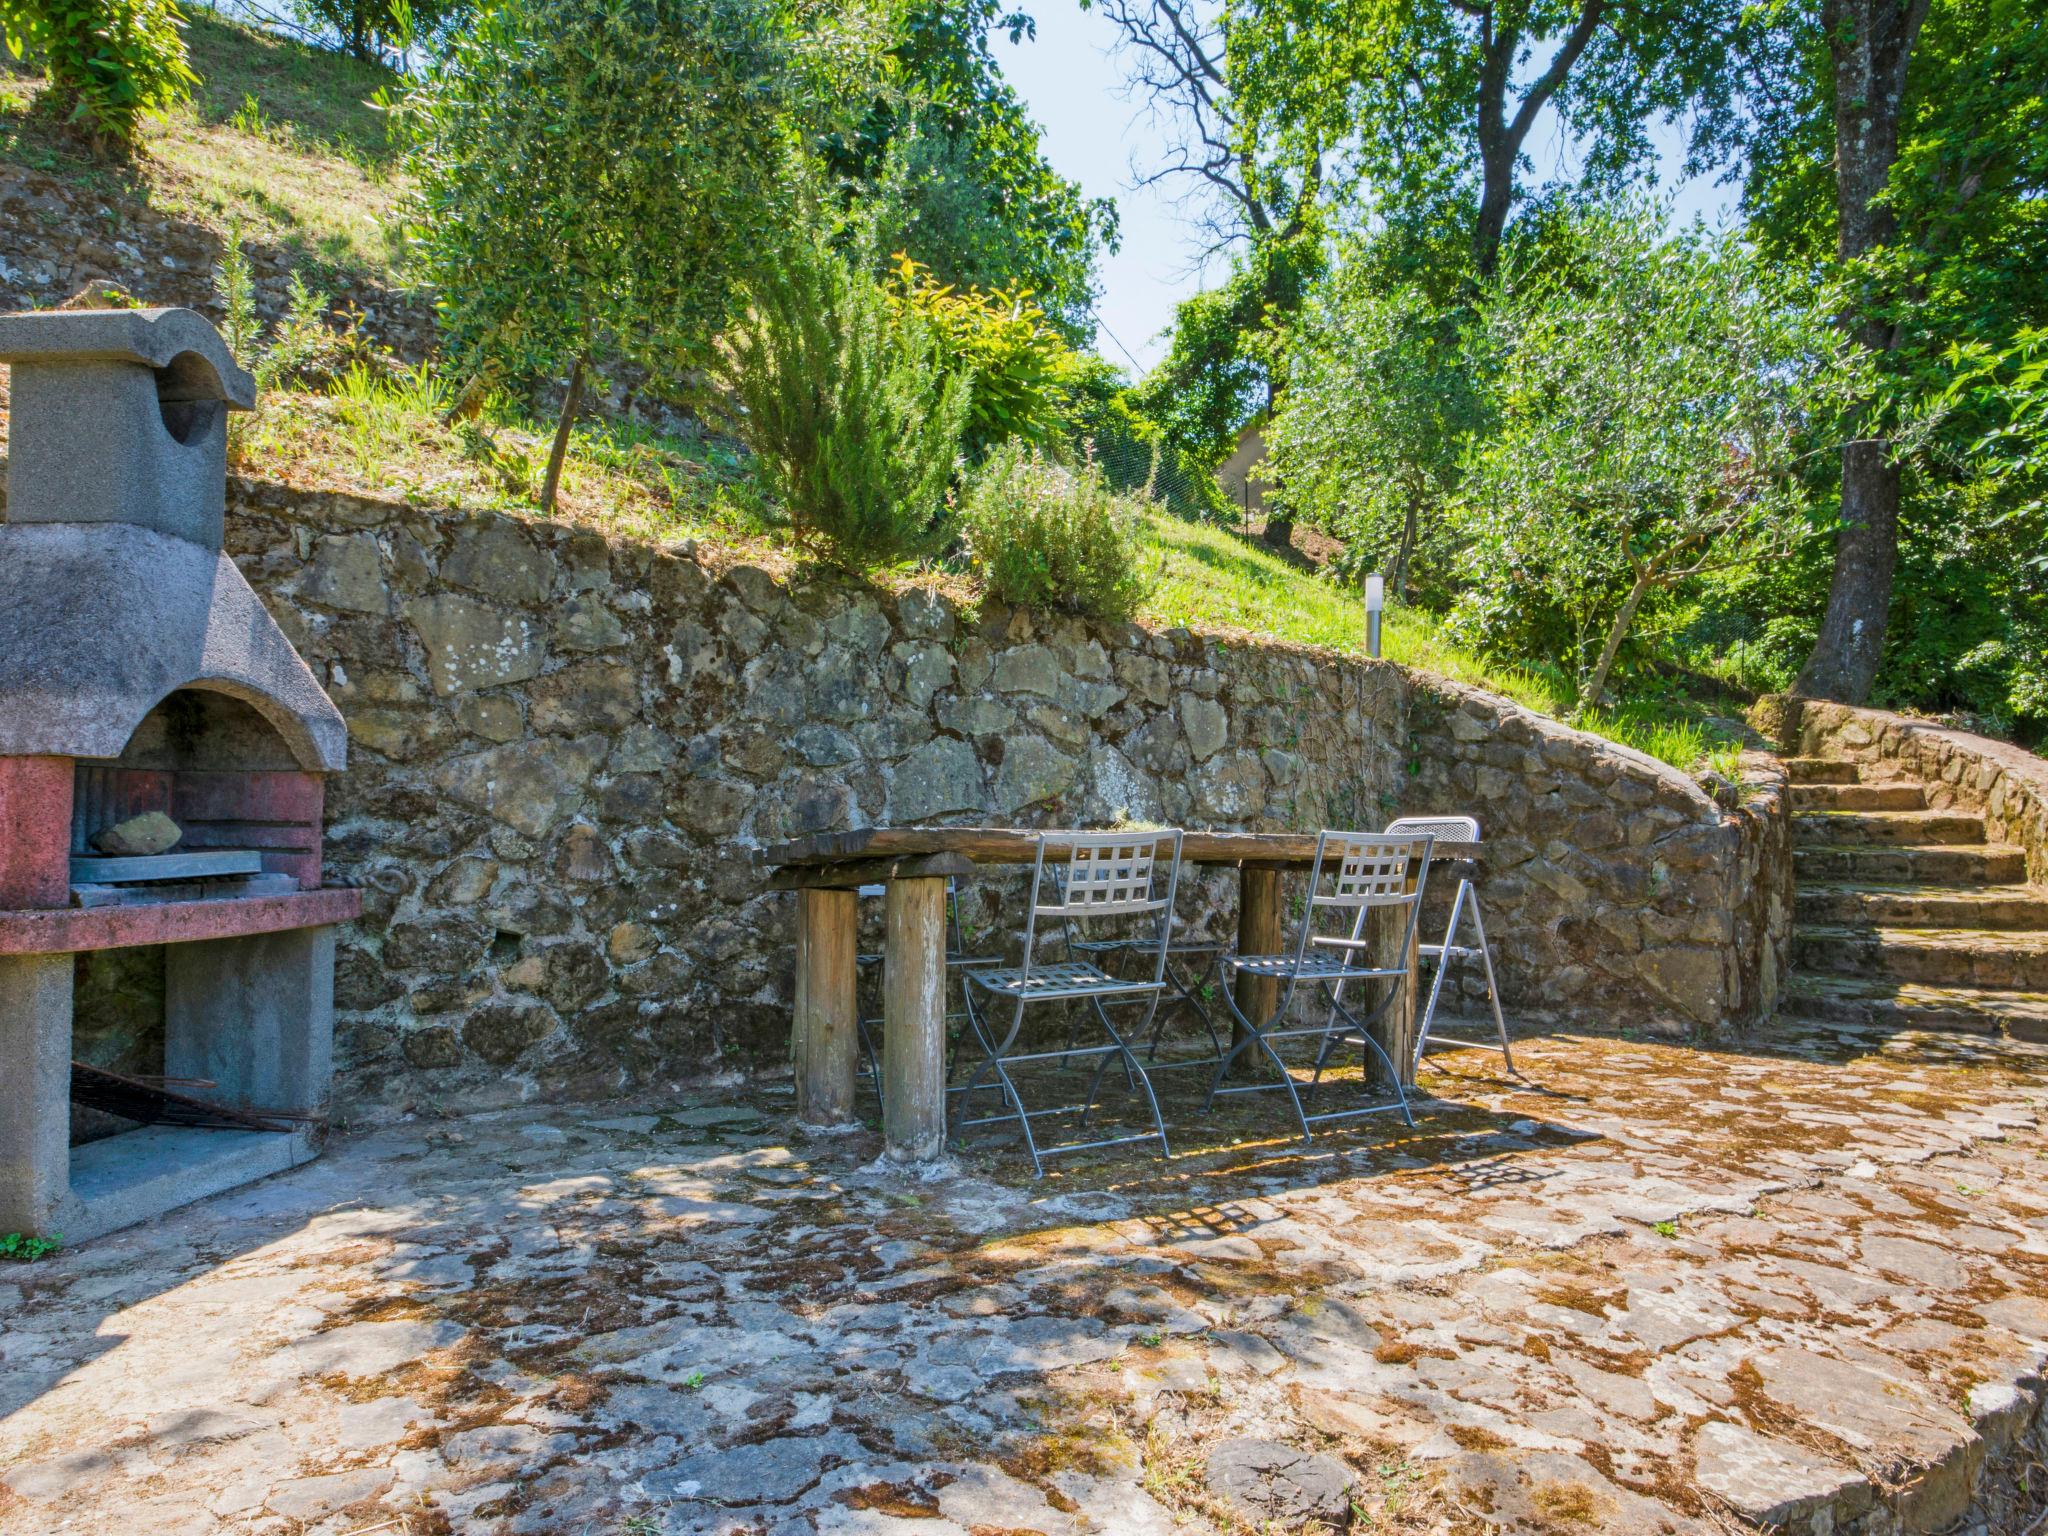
(1642, 1288)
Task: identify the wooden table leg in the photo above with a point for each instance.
(1258, 933)
(914, 1020)
(827, 1024)
(1395, 1029)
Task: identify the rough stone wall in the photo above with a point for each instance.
(2008, 784)
(1614, 888)
(565, 752)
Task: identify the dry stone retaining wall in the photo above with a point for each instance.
(565, 751)
(1959, 770)
(1613, 886)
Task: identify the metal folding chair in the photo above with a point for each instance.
(1354, 875)
(957, 958)
(1456, 829)
(1077, 878)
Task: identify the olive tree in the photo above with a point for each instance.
(590, 175)
(1654, 403)
(1369, 441)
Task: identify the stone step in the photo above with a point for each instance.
(1820, 770)
(1907, 904)
(1858, 797)
(1953, 864)
(1942, 957)
(1912, 1005)
(1887, 828)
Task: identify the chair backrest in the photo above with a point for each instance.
(1365, 869)
(1445, 829)
(1081, 876)
(1354, 874)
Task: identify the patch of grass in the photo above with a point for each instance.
(1209, 577)
(278, 134)
(379, 432)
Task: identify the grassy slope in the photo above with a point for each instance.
(277, 135)
(1209, 577)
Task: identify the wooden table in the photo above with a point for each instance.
(913, 864)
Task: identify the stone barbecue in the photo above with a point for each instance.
(163, 753)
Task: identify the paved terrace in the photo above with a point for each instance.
(1652, 1289)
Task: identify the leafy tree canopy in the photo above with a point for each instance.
(1654, 401)
(950, 159)
(1223, 367)
(1954, 285)
(1369, 441)
(590, 174)
(1434, 99)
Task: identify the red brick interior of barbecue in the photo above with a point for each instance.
(217, 768)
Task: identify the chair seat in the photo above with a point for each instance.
(1176, 947)
(1073, 978)
(1310, 967)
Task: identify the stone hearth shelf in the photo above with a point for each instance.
(60, 931)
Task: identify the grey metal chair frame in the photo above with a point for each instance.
(1457, 829)
(1368, 871)
(957, 959)
(1183, 985)
(1089, 876)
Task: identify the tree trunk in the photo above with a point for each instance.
(1279, 532)
(1845, 657)
(1399, 578)
(1871, 42)
(1596, 684)
(1496, 197)
(560, 450)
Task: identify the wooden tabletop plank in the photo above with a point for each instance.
(1019, 845)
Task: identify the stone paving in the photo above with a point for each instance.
(1798, 1279)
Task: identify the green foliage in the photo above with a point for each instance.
(1433, 98)
(849, 407)
(371, 30)
(945, 163)
(1050, 535)
(1955, 285)
(26, 1250)
(1654, 403)
(1016, 361)
(1106, 425)
(1369, 441)
(299, 345)
(112, 64)
(1222, 368)
(590, 174)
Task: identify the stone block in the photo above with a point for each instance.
(255, 1016)
(942, 776)
(35, 1110)
(472, 645)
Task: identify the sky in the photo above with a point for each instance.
(1074, 89)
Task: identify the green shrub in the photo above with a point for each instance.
(111, 63)
(1045, 535)
(1018, 361)
(855, 420)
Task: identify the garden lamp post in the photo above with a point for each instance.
(1375, 601)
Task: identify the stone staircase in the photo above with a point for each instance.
(1906, 916)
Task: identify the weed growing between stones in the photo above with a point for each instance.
(26, 1250)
